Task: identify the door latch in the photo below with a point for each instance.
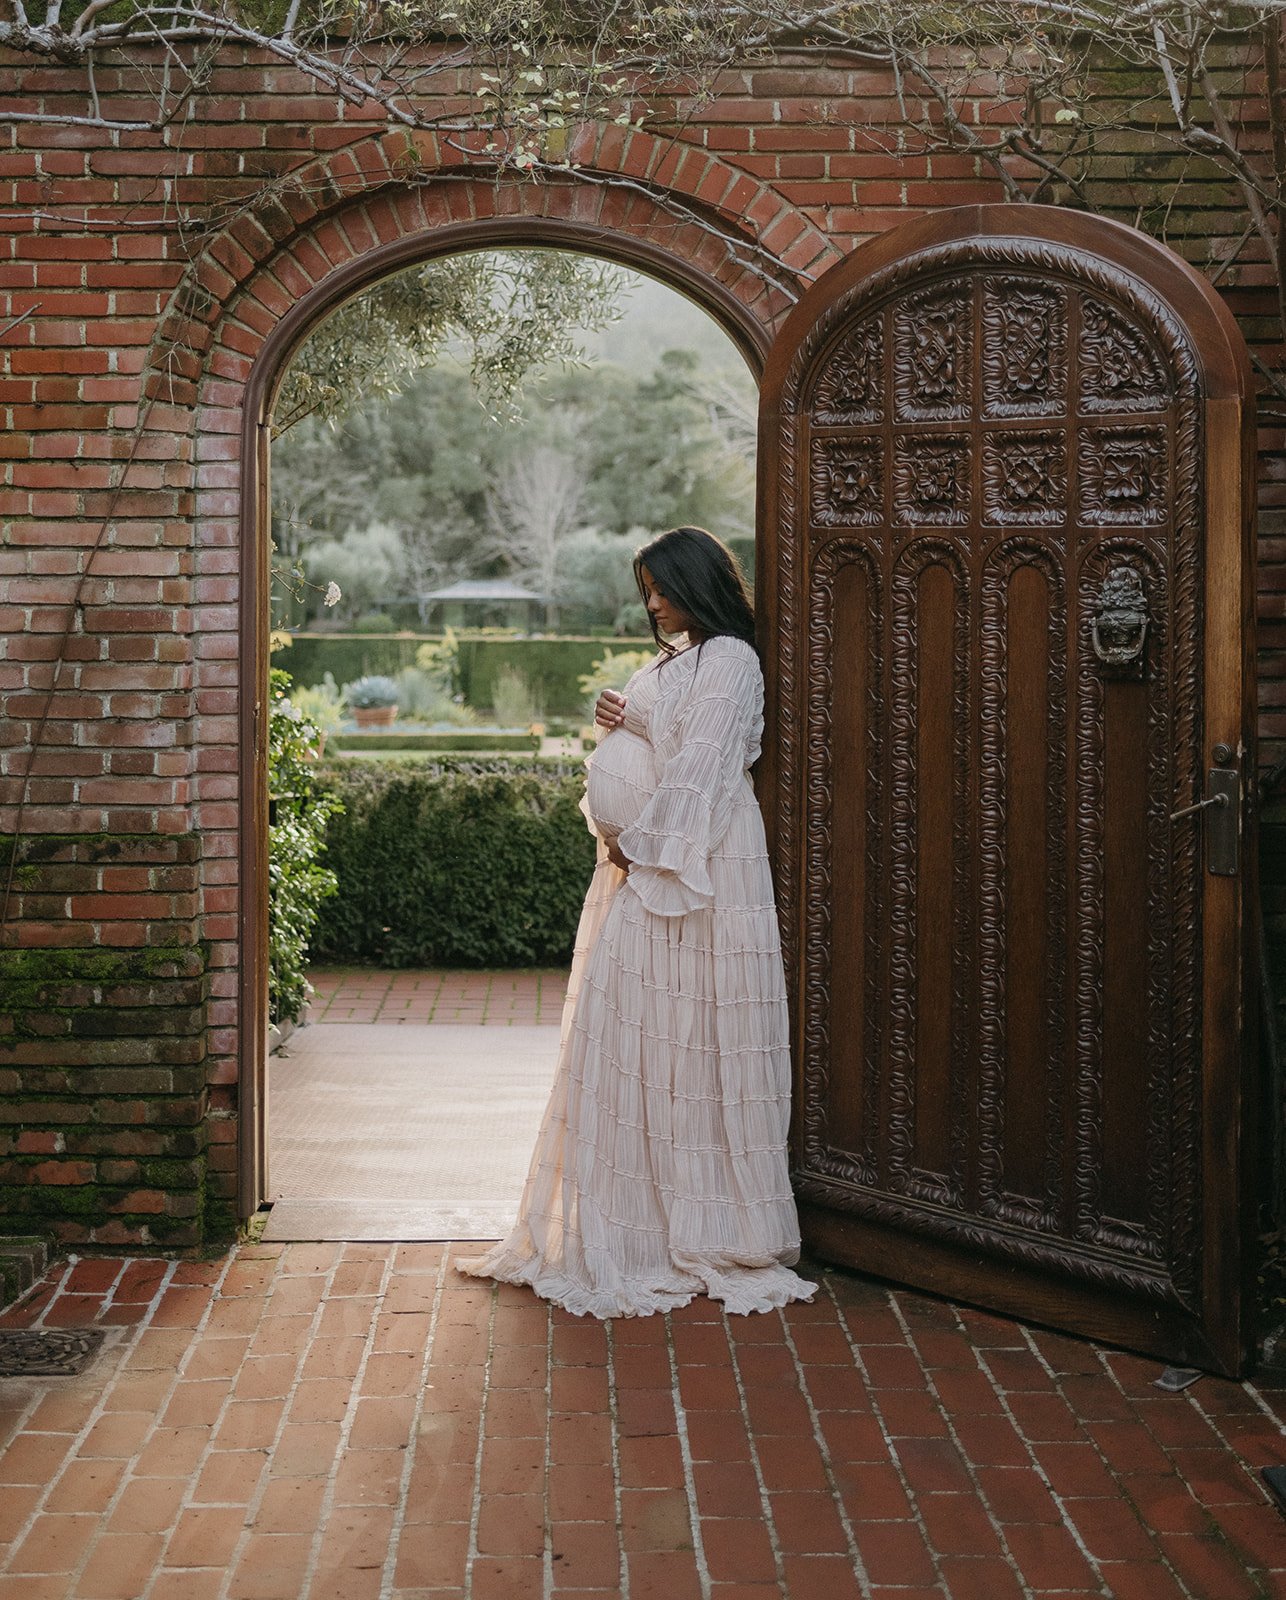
(1222, 806)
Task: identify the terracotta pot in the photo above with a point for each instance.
(375, 716)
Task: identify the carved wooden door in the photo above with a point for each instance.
(1005, 582)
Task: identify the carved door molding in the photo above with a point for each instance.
(1005, 581)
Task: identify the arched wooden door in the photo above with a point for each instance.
(1006, 586)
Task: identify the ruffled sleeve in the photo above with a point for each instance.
(670, 845)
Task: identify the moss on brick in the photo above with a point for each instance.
(69, 982)
(103, 1050)
(219, 1220)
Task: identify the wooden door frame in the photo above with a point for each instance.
(1229, 1016)
(750, 336)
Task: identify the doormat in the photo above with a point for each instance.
(48, 1352)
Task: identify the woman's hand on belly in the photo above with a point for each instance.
(616, 855)
(609, 710)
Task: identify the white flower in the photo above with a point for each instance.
(333, 593)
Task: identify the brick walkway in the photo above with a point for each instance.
(370, 994)
(343, 1422)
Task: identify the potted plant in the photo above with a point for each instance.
(373, 701)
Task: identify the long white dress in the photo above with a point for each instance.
(660, 1170)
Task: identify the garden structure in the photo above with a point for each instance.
(1007, 587)
(457, 600)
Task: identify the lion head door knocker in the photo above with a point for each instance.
(1119, 625)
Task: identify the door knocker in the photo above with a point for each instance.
(1119, 625)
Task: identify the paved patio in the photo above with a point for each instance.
(405, 1130)
(401, 1112)
(487, 997)
(346, 1422)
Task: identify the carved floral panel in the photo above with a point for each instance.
(1123, 476)
(851, 386)
(1119, 368)
(931, 479)
(847, 482)
(933, 354)
(1024, 348)
(1024, 477)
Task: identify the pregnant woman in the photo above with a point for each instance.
(660, 1170)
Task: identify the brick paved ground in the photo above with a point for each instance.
(342, 1422)
(369, 994)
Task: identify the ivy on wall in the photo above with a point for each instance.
(298, 883)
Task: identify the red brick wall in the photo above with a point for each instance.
(154, 285)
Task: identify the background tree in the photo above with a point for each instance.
(510, 313)
(411, 490)
(656, 453)
(594, 580)
(534, 501)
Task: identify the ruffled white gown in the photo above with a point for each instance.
(660, 1171)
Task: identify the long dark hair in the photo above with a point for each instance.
(697, 573)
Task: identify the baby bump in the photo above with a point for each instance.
(621, 781)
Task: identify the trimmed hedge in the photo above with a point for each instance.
(436, 741)
(347, 656)
(480, 862)
(552, 666)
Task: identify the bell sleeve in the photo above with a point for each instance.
(670, 845)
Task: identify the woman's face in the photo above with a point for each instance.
(669, 619)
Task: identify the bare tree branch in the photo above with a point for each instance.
(540, 70)
(20, 318)
(64, 119)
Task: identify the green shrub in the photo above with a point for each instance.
(422, 697)
(514, 701)
(440, 659)
(470, 739)
(460, 861)
(612, 670)
(322, 704)
(552, 666)
(297, 884)
(347, 656)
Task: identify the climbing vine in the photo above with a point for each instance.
(1112, 105)
(298, 882)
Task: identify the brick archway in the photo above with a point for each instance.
(682, 206)
(709, 231)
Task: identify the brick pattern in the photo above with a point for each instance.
(484, 999)
(105, 1126)
(342, 1422)
(120, 478)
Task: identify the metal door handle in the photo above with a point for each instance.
(1222, 806)
(1199, 805)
